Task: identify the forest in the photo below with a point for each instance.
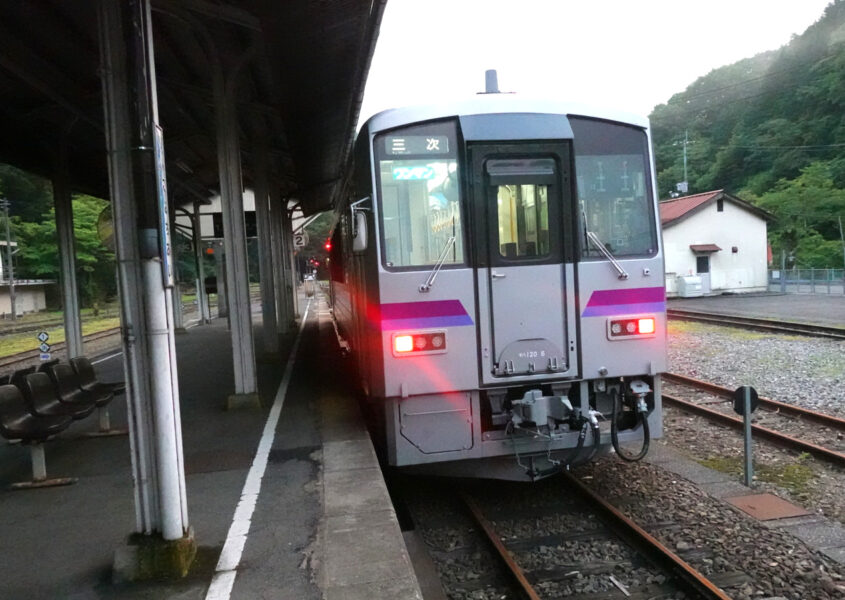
(771, 130)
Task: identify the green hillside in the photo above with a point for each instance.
(771, 129)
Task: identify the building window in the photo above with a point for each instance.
(702, 264)
(720, 205)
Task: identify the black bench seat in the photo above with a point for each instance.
(18, 423)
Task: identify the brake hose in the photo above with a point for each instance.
(614, 431)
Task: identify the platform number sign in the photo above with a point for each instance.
(300, 240)
(43, 346)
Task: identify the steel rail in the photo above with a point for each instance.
(773, 405)
(29, 354)
(499, 545)
(649, 544)
(786, 327)
(778, 438)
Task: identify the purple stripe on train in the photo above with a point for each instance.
(424, 315)
(604, 303)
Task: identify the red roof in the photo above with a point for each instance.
(678, 207)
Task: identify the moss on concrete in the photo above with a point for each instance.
(150, 557)
(795, 477)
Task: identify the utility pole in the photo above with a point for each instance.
(5, 204)
(686, 141)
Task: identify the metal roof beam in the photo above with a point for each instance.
(219, 12)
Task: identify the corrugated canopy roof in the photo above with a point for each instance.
(302, 91)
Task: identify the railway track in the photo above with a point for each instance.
(785, 425)
(680, 575)
(785, 327)
(558, 539)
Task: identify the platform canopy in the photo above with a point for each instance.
(301, 88)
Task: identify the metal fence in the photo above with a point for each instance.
(807, 281)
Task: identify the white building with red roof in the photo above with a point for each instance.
(717, 237)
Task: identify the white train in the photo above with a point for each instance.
(497, 276)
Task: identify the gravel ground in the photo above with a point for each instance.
(808, 372)
(715, 539)
(813, 376)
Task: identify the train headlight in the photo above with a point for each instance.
(631, 327)
(403, 343)
(422, 342)
(645, 325)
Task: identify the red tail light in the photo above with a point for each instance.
(429, 342)
(631, 327)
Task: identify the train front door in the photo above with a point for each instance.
(522, 209)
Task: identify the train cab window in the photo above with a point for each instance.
(419, 192)
(614, 187)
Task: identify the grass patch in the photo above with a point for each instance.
(22, 342)
(795, 477)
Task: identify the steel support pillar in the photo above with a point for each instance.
(220, 274)
(280, 262)
(67, 259)
(176, 295)
(139, 206)
(234, 236)
(202, 297)
(293, 292)
(269, 333)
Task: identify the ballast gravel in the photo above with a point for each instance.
(808, 372)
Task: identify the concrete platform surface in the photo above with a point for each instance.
(819, 309)
(322, 527)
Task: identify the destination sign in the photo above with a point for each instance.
(413, 173)
(416, 144)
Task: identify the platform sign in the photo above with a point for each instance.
(163, 210)
(43, 347)
(300, 240)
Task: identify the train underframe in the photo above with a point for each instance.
(525, 432)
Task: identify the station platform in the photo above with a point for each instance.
(323, 525)
(819, 309)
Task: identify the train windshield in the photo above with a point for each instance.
(419, 194)
(614, 187)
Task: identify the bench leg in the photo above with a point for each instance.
(105, 425)
(39, 472)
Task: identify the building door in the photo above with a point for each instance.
(702, 269)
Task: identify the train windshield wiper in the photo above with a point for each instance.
(424, 287)
(592, 237)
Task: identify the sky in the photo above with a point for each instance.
(624, 54)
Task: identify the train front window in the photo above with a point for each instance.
(614, 188)
(420, 197)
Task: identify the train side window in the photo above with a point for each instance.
(336, 267)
